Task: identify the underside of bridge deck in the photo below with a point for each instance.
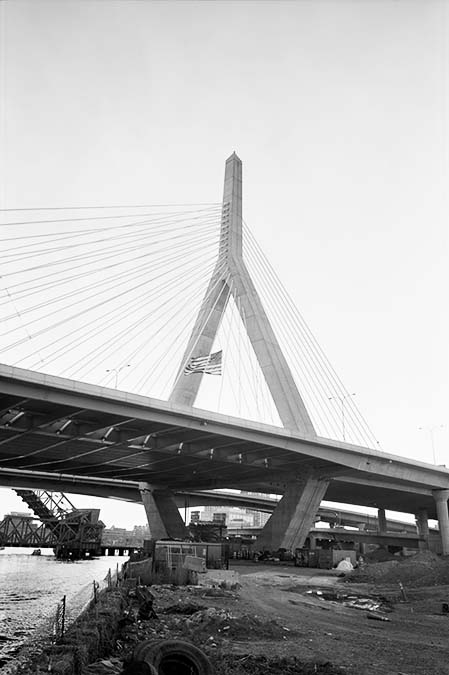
(59, 427)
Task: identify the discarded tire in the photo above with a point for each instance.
(173, 657)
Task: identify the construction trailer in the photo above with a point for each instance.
(171, 555)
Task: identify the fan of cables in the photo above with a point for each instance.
(106, 299)
(111, 299)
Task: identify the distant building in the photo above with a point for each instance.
(232, 516)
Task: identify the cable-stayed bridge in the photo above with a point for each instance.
(140, 301)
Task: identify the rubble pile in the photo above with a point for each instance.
(213, 623)
(423, 569)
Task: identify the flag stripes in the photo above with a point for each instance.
(211, 364)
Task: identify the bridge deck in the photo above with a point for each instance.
(59, 426)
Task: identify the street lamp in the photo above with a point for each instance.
(117, 371)
(342, 400)
(431, 431)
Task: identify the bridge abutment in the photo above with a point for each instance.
(164, 519)
(294, 516)
(441, 497)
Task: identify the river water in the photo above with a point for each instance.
(31, 587)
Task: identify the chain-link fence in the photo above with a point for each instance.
(67, 612)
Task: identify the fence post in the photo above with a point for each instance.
(63, 617)
(95, 592)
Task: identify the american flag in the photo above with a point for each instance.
(211, 364)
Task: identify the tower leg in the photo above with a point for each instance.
(164, 519)
(294, 516)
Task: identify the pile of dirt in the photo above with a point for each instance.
(212, 623)
(423, 569)
(380, 555)
(254, 665)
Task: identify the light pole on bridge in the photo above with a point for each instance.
(342, 400)
(117, 371)
(431, 430)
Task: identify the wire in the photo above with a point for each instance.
(113, 206)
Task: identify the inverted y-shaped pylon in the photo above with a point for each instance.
(231, 276)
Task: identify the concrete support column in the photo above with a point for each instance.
(382, 521)
(422, 522)
(293, 518)
(441, 497)
(422, 526)
(164, 519)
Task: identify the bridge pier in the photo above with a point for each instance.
(164, 519)
(294, 516)
(441, 497)
(382, 521)
(422, 526)
(422, 522)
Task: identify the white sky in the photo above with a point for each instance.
(338, 111)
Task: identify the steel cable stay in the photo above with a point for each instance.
(132, 309)
(298, 364)
(108, 281)
(279, 327)
(158, 262)
(226, 342)
(184, 321)
(211, 290)
(321, 361)
(359, 417)
(244, 364)
(100, 251)
(91, 218)
(230, 356)
(181, 319)
(166, 304)
(187, 331)
(89, 332)
(139, 228)
(132, 237)
(140, 321)
(220, 279)
(77, 315)
(112, 206)
(101, 257)
(158, 226)
(139, 306)
(235, 364)
(259, 387)
(72, 317)
(326, 407)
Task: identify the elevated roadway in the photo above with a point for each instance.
(59, 426)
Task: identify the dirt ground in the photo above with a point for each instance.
(284, 619)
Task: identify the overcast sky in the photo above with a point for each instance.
(338, 111)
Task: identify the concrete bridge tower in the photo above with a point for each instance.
(294, 516)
